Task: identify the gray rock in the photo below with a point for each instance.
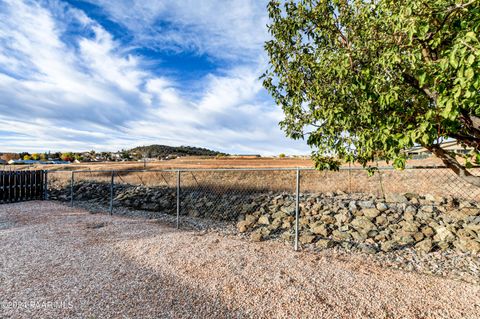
(382, 207)
(425, 246)
(468, 245)
(427, 209)
(264, 220)
(408, 216)
(411, 209)
(395, 198)
(428, 231)
(352, 206)
(306, 239)
(363, 224)
(359, 236)
(250, 219)
(370, 213)
(444, 235)
(388, 245)
(418, 236)
(381, 220)
(242, 226)
(327, 219)
(339, 235)
(366, 204)
(342, 218)
(320, 230)
(369, 249)
(256, 236)
(465, 204)
(324, 243)
(410, 227)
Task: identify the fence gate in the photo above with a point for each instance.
(18, 186)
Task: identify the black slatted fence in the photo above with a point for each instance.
(19, 186)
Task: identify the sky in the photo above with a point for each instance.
(107, 75)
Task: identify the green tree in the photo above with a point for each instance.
(27, 157)
(364, 79)
(68, 157)
(36, 156)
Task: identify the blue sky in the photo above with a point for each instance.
(106, 75)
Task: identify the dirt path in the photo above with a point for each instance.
(58, 262)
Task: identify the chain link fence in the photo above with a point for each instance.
(233, 194)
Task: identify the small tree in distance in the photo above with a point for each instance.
(360, 79)
(68, 157)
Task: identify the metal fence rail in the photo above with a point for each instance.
(226, 194)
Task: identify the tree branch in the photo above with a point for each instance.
(451, 162)
(467, 140)
(425, 90)
(450, 11)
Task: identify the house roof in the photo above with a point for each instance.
(448, 145)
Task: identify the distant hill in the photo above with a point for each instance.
(164, 151)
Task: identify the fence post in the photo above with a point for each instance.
(178, 199)
(72, 181)
(297, 208)
(112, 185)
(45, 185)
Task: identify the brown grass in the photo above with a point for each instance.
(207, 162)
(440, 181)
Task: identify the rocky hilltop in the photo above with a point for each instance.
(164, 151)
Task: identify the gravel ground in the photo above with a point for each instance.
(449, 263)
(59, 262)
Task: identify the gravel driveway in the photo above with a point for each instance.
(59, 262)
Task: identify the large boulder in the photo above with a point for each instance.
(395, 198)
(425, 246)
(370, 213)
(363, 224)
(444, 234)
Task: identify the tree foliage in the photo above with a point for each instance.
(159, 151)
(68, 157)
(362, 79)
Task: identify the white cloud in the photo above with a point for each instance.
(81, 91)
(233, 29)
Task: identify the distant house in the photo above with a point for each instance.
(452, 146)
(32, 162)
(56, 162)
(117, 155)
(245, 156)
(23, 162)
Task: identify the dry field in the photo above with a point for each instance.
(441, 182)
(58, 262)
(186, 162)
(205, 162)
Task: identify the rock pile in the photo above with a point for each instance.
(427, 223)
(195, 202)
(137, 197)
